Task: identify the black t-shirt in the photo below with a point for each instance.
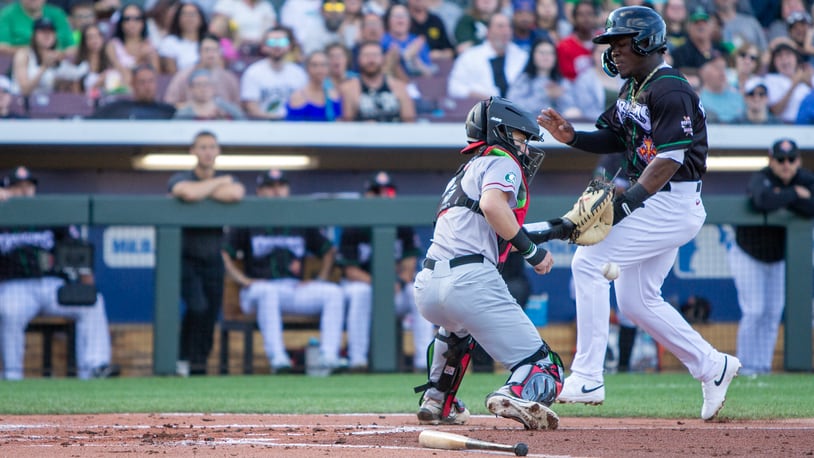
(433, 30)
(130, 109)
(28, 252)
(270, 252)
(666, 115)
(688, 56)
(198, 242)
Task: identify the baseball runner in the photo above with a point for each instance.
(29, 285)
(757, 255)
(460, 288)
(660, 124)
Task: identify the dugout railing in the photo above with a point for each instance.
(168, 216)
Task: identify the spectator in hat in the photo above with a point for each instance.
(34, 68)
(801, 32)
(779, 20)
(6, 100)
(700, 48)
(203, 104)
(17, 26)
(757, 255)
(789, 80)
(29, 287)
(524, 24)
(354, 257)
(756, 98)
(272, 280)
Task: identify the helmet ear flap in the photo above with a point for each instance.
(608, 66)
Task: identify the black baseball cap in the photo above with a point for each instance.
(272, 177)
(785, 147)
(44, 23)
(19, 175)
(381, 183)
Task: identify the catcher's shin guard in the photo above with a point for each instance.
(539, 377)
(458, 356)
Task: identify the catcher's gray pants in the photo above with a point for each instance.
(473, 299)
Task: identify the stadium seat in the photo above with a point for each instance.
(48, 326)
(58, 105)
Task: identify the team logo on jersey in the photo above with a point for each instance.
(686, 126)
(510, 177)
(638, 113)
(647, 150)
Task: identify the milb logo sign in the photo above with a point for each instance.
(129, 246)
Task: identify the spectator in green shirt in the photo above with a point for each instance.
(17, 22)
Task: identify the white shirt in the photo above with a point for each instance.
(777, 85)
(472, 71)
(301, 16)
(269, 88)
(184, 52)
(252, 20)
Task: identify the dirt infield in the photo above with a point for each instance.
(391, 435)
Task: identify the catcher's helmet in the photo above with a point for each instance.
(642, 23)
(492, 121)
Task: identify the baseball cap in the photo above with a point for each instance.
(272, 177)
(785, 147)
(381, 184)
(752, 84)
(699, 14)
(798, 16)
(19, 175)
(523, 5)
(44, 23)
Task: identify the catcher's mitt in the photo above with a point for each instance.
(592, 214)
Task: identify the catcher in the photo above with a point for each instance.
(478, 221)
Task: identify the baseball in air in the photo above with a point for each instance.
(610, 271)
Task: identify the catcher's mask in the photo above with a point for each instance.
(643, 24)
(491, 122)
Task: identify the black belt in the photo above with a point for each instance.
(455, 262)
(667, 187)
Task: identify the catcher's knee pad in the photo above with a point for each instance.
(457, 355)
(539, 377)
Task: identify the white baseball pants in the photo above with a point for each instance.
(22, 300)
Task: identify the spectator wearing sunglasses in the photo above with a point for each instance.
(267, 84)
(755, 96)
(757, 256)
(744, 65)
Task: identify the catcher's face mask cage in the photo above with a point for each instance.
(503, 118)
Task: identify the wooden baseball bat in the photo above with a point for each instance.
(449, 441)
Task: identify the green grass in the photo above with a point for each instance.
(628, 395)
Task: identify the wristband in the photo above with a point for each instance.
(628, 201)
(525, 247)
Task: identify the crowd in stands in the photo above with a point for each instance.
(314, 60)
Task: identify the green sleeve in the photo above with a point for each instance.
(64, 32)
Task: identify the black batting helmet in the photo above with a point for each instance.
(642, 23)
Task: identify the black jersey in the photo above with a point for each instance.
(665, 115)
(270, 252)
(28, 253)
(356, 249)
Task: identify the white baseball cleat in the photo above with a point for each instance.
(532, 415)
(715, 390)
(430, 413)
(576, 389)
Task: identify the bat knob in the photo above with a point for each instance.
(521, 449)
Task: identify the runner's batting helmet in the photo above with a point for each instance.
(643, 24)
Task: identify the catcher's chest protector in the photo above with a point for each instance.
(454, 196)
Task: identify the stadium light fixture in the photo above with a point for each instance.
(226, 162)
(736, 163)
